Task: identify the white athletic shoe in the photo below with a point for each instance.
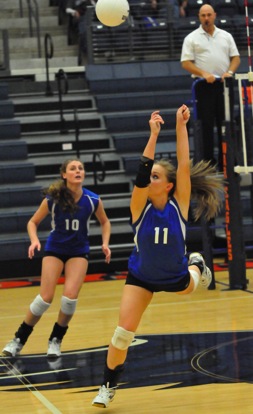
(104, 397)
(54, 348)
(13, 348)
(206, 276)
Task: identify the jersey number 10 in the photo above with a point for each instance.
(72, 224)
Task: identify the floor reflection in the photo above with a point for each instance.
(181, 359)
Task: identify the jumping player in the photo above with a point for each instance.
(159, 211)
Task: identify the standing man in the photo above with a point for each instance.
(210, 53)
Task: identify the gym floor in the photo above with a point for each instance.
(191, 353)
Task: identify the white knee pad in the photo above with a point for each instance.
(39, 306)
(122, 338)
(68, 306)
(195, 277)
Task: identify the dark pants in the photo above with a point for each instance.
(211, 111)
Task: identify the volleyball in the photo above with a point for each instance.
(112, 12)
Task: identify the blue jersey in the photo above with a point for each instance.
(159, 255)
(70, 231)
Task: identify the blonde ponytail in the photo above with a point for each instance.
(207, 190)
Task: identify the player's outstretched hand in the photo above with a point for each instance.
(155, 122)
(183, 114)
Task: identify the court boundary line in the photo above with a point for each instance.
(29, 386)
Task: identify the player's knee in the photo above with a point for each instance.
(122, 338)
(39, 306)
(68, 306)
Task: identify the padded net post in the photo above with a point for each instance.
(233, 214)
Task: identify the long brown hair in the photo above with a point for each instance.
(59, 191)
(207, 187)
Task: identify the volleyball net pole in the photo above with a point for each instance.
(206, 231)
(233, 215)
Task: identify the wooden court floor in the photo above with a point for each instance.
(192, 353)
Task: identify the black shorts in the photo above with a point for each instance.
(167, 287)
(65, 257)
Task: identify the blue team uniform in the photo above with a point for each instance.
(70, 231)
(159, 255)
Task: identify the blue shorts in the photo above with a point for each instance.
(65, 257)
(166, 287)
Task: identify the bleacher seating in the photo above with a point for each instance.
(240, 31)
(226, 8)
(242, 6)
(161, 38)
(42, 149)
(126, 114)
(193, 7)
(113, 118)
(139, 76)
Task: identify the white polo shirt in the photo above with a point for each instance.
(210, 53)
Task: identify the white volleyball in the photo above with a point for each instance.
(112, 12)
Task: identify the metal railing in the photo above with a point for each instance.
(49, 53)
(62, 78)
(132, 40)
(34, 20)
(98, 176)
(5, 58)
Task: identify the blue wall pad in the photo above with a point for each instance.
(17, 173)
(4, 90)
(9, 128)
(13, 150)
(6, 109)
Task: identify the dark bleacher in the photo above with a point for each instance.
(147, 100)
(119, 133)
(9, 129)
(31, 156)
(10, 147)
(228, 8)
(149, 86)
(132, 70)
(159, 37)
(13, 150)
(139, 76)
